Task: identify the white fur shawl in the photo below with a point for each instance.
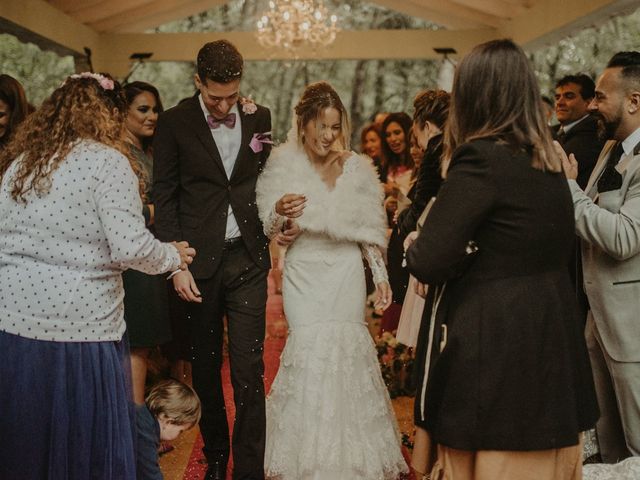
(351, 211)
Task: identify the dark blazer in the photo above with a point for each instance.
(426, 186)
(513, 373)
(191, 189)
(583, 141)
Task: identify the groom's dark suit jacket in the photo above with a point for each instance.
(192, 192)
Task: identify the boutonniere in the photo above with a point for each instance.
(258, 140)
(248, 105)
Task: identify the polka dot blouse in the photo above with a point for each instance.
(62, 254)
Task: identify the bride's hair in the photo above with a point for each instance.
(317, 97)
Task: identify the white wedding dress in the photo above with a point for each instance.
(329, 416)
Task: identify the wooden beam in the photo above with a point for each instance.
(141, 18)
(71, 6)
(49, 27)
(448, 8)
(413, 9)
(497, 8)
(370, 44)
(548, 21)
(95, 13)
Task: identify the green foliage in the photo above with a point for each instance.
(365, 86)
(40, 72)
(588, 51)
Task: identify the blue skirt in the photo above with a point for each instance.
(65, 410)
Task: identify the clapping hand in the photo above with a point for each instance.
(291, 205)
(569, 164)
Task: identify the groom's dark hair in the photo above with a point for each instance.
(219, 61)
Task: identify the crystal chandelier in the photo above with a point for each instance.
(291, 24)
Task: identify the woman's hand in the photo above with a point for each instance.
(409, 240)
(291, 205)
(186, 254)
(186, 287)
(383, 296)
(152, 214)
(420, 289)
(391, 205)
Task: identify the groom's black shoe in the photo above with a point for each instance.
(216, 471)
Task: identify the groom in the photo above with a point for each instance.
(208, 152)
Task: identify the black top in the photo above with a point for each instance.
(192, 192)
(583, 141)
(427, 185)
(514, 372)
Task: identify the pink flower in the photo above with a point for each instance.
(105, 83)
(248, 105)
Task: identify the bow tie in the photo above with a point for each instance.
(229, 121)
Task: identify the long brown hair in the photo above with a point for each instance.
(79, 109)
(12, 93)
(495, 95)
(393, 159)
(317, 97)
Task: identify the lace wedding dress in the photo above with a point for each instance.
(329, 416)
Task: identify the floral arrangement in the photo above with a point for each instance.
(396, 364)
(248, 105)
(105, 82)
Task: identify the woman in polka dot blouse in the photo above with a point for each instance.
(70, 223)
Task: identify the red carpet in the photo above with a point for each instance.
(273, 345)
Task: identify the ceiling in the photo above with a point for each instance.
(114, 29)
(135, 16)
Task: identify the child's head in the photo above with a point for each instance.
(175, 405)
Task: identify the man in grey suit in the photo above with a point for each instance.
(607, 217)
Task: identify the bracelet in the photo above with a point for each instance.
(173, 274)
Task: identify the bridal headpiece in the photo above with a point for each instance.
(105, 82)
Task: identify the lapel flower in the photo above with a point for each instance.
(248, 105)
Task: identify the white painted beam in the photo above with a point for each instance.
(371, 44)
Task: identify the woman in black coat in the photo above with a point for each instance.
(508, 386)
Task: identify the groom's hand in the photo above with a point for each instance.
(186, 287)
(288, 235)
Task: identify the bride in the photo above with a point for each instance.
(329, 416)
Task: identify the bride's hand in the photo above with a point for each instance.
(291, 205)
(383, 296)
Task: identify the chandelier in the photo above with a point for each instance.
(291, 24)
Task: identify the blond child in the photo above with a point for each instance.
(171, 407)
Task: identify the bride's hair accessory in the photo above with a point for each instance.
(105, 82)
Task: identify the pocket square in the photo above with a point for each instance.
(258, 140)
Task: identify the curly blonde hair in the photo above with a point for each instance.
(79, 109)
